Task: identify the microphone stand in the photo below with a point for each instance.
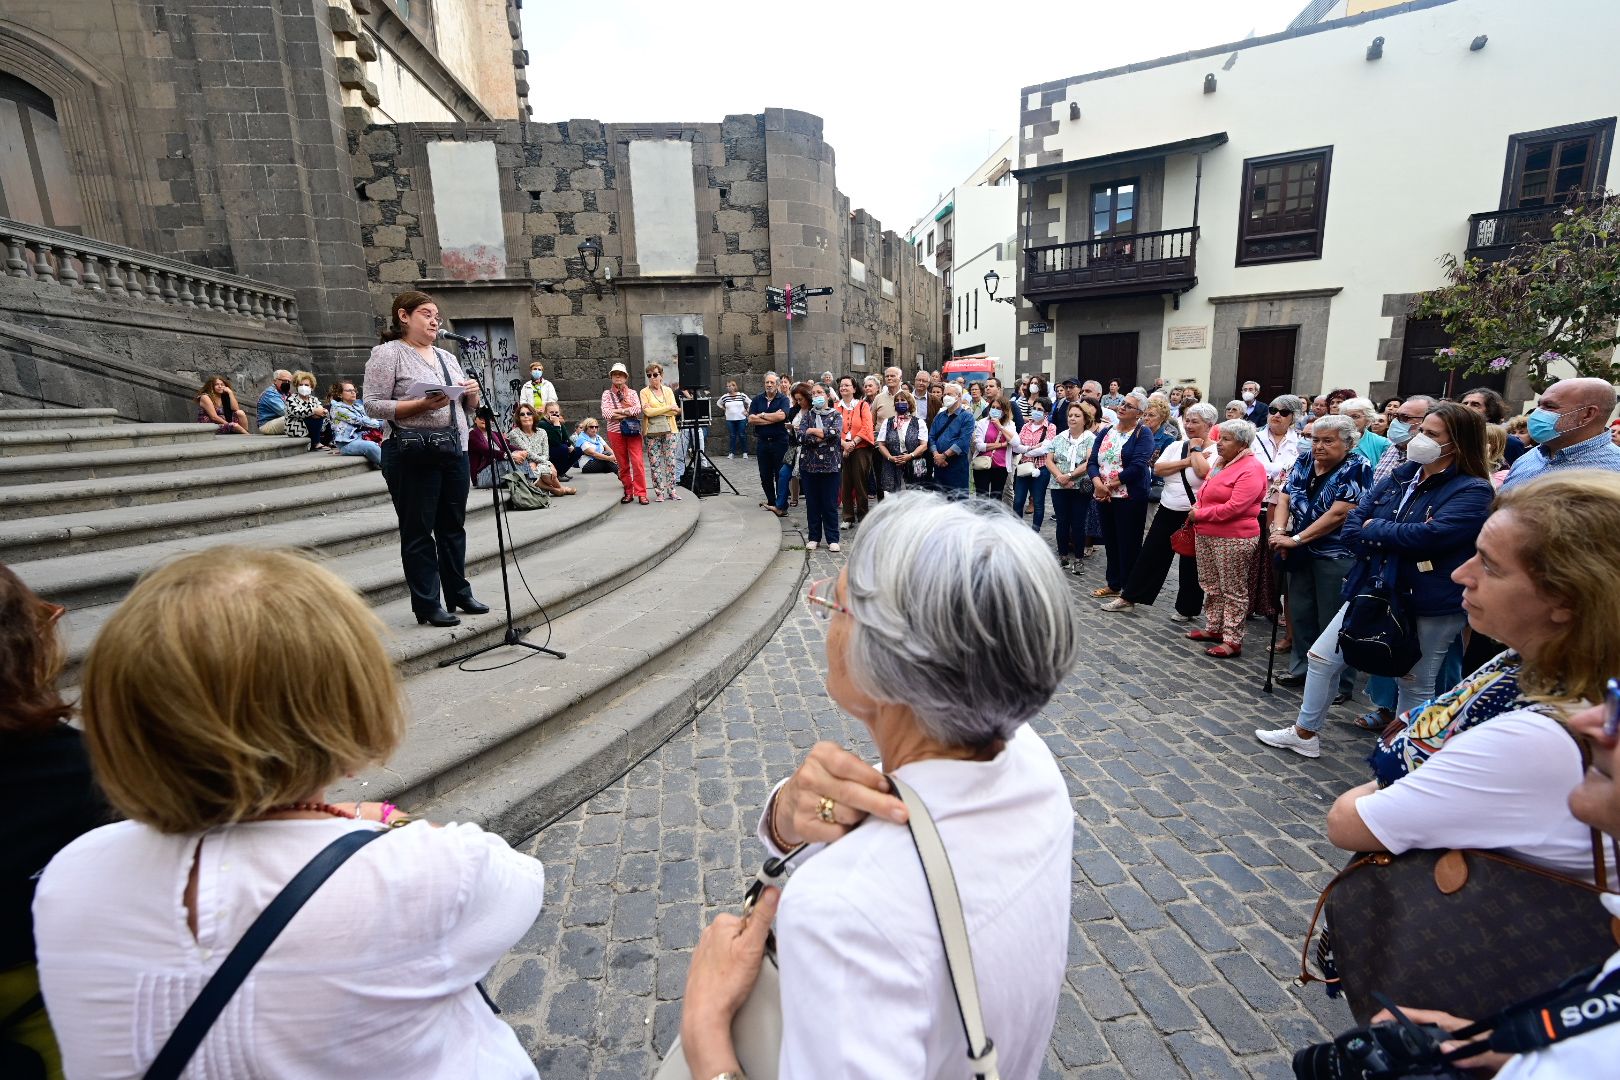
(514, 634)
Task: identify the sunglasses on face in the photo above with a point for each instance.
(1281, 412)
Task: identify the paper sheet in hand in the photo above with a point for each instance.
(422, 389)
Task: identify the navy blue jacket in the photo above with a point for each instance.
(1137, 460)
(952, 431)
(1258, 413)
(1436, 529)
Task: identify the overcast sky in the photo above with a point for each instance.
(914, 95)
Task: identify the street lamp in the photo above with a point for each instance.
(991, 281)
(590, 254)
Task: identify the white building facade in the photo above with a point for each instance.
(971, 231)
(1270, 209)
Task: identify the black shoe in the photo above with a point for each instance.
(1341, 698)
(1290, 679)
(470, 605)
(437, 617)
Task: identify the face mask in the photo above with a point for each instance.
(1037, 418)
(1399, 432)
(1543, 425)
(902, 408)
(949, 401)
(1248, 396)
(818, 402)
(995, 414)
(537, 375)
(1423, 450)
(284, 387)
(305, 391)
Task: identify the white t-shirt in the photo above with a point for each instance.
(736, 406)
(1583, 1057)
(374, 977)
(1174, 495)
(1502, 785)
(864, 980)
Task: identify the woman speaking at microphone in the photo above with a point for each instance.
(424, 457)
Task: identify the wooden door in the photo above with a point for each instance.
(1105, 357)
(1421, 375)
(1266, 357)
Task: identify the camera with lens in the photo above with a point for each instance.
(1379, 1052)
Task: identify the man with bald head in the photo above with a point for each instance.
(1571, 430)
(883, 404)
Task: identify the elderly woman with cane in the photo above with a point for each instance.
(865, 986)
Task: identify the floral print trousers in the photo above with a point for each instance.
(661, 464)
(1223, 571)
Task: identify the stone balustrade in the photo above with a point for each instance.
(50, 256)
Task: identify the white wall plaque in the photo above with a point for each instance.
(1189, 337)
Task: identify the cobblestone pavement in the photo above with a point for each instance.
(1198, 856)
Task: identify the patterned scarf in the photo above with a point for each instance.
(1487, 693)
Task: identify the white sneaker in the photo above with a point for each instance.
(1286, 738)
(745, 457)
(731, 457)
(811, 545)
(834, 547)
(1179, 617)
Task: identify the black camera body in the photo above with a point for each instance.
(1379, 1052)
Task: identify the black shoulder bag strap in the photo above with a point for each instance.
(1187, 450)
(217, 993)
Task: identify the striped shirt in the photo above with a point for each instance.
(1598, 452)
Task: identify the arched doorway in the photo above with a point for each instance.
(36, 185)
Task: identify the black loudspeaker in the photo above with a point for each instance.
(692, 354)
(701, 480)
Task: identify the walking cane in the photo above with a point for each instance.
(1276, 616)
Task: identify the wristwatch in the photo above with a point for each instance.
(1295, 538)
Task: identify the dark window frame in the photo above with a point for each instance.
(1519, 143)
(1318, 231)
(1135, 184)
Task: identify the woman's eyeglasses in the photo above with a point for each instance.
(821, 600)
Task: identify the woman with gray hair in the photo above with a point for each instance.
(1226, 530)
(1371, 445)
(949, 627)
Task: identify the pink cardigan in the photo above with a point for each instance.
(1229, 501)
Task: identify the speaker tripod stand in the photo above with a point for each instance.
(697, 458)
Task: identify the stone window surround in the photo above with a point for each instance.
(94, 118)
(1397, 308)
(1307, 309)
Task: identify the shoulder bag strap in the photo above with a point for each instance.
(1187, 452)
(952, 930)
(171, 1061)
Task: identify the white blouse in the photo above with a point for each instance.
(864, 982)
(374, 977)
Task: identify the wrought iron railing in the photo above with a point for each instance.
(1497, 232)
(1164, 258)
(78, 263)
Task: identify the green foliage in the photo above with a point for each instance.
(1557, 300)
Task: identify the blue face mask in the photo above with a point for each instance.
(1543, 425)
(537, 375)
(995, 414)
(818, 402)
(1399, 432)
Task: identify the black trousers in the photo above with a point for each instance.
(1153, 567)
(431, 504)
(1122, 523)
(769, 455)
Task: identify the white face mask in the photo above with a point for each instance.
(1248, 396)
(305, 390)
(949, 401)
(1423, 450)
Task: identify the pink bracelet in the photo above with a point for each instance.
(388, 810)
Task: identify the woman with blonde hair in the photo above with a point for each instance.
(217, 728)
(1496, 441)
(306, 416)
(659, 409)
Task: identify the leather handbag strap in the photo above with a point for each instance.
(171, 1061)
(952, 930)
(1187, 450)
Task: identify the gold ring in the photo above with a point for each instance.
(824, 810)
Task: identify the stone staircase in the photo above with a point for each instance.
(657, 607)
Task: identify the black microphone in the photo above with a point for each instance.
(457, 338)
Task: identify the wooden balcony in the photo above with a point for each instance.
(1494, 235)
(942, 255)
(1140, 264)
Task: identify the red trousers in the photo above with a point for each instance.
(632, 470)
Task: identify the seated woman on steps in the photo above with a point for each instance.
(216, 728)
(528, 439)
(217, 405)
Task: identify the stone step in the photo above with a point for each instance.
(47, 468)
(77, 440)
(517, 747)
(376, 573)
(173, 489)
(55, 419)
(53, 535)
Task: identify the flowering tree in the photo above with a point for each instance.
(1556, 301)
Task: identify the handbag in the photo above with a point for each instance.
(1184, 541)
(981, 461)
(756, 1031)
(1378, 635)
(660, 425)
(522, 495)
(193, 1027)
(1465, 932)
(429, 446)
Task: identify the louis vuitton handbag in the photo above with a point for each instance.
(756, 1031)
(1465, 932)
